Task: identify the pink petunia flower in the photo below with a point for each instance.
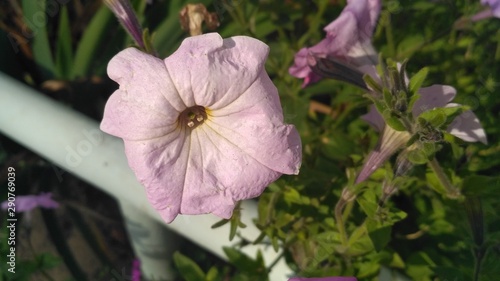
(465, 126)
(348, 39)
(26, 203)
(337, 278)
(203, 128)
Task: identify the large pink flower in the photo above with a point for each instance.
(348, 39)
(203, 128)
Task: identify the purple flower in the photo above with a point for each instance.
(494, 6)
(203, 128)
(465, 126)
(26, 203)
(348, 39)
(323, 279)
(126, 16)
(136, 270)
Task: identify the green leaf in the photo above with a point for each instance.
(245, 263)
(64, 52)
(393, 121)
(36, 19)
(435, 117)
(188, 269)
(418, 79)
(88, 48)
(387, 97)
(371, 83)
(380, 234)
(417, 156)
(212, 274)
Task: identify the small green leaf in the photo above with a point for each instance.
(394, 122)
(371, 83)
(189, 270)
(435, 117)
(88, 48)
(219, 223)
(37, 22)
(417, 156)
(212, 274)
(413, 99)
(387, 97)
(380, 234)
(64, 52)
(417, 80)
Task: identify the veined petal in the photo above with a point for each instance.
(466, 126)
(390, 142)
(212, 72)
(219, 173)
(160, 165)
(432, 97)
(146, 105)
(254, 123)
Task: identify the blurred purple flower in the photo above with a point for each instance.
(494, 6)
(26, 203)
(465, 126)
(136, 270)
(126, 16)
(348, 39)
(323, 279)
(203, 128)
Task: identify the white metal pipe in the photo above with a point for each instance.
(75, 143)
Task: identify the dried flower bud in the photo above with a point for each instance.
(192, 17)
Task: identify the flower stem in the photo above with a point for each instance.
(451, 190)
(340, 221)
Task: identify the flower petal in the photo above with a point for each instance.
(432, 97)
(374, 118)
(219, 174)
(212, 72)
(146, 105)
(254, 123)
(160, 165)
(466, 126)
(26, 203)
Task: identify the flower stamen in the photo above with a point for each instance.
(193, 117)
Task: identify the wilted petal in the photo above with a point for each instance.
(433, 97)
(348, 39)
(466, 126)
(301, 68)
